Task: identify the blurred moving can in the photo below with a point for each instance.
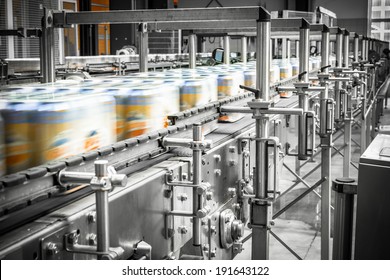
(250, 79)
(144, 112)
(285, 71)
(19, 135)
(193, 93)
(54, 124)
(3, 169)
(226, 86)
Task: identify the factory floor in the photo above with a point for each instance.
(300, 226)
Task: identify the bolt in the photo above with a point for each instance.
(232, 162)
(52, 249)
(184, 176)
(213, 253)
(272, 223)
(217, 172)
(213, 230)
(205, 247)
(168, 193)
(73, 238)
(232, 192)
(171, 232)
(217, 158)
(182, 230)
(236, 206)
(201, 190)
(203, 161)
(232, 149)
(227, 219)
(182, 197)
(91, 217)
(92, 239)
(201, 213)
(209, 195)
(202, 222)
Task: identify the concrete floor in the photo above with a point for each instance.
(299, 227)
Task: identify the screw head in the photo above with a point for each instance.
(232, 192)
(52, 249)
(91, 217)
(182, 229)
(232, 149)
(232, 162)
(209, 195)
(182, 197)
(217, 158)
(92, 239)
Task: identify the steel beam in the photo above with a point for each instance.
(167, 15)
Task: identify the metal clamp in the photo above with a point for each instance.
(277, 148)
(327, 116)
(102, 181)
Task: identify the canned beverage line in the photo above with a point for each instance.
(41, 124)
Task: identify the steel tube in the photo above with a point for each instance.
(337, 95)
(259, 209)
(197, 173)
(69, 177)
(363, 52)
(326, 156)
(296, 48)
(192, 50)
(244, 49)
(176, 142)
(347, 114)
(203, 44)
(143, 48)
(346, 49)
(303, 97)
(226, 53)
(102, 221)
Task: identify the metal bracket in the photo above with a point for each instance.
(71, 245)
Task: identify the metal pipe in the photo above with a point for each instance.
(356, 48)
(192, 50)
(176, 142)
(203, 44)
(303, 97)
(346, 49)
(48, 70)
(326, 156)
(288, 46)
(143, 47)
(347, 113)
(244, 49)
(363, 53)
(102, 221)
(197, 173)
(345, 191)
(102, 215)
(69, 177)
(226, 46)
(106, 39)
(259, 208)
(297, 49)
(337, 95)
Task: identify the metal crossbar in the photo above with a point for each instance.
(285, 245)
(297, 199)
